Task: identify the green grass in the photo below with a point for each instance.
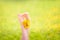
(45, 24)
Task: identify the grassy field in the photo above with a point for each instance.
(45, 19)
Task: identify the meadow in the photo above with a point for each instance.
(45, 19)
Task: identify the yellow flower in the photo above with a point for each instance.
(26, 23)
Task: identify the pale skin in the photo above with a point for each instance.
(24, 30)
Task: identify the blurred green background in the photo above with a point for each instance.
(45, 19)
